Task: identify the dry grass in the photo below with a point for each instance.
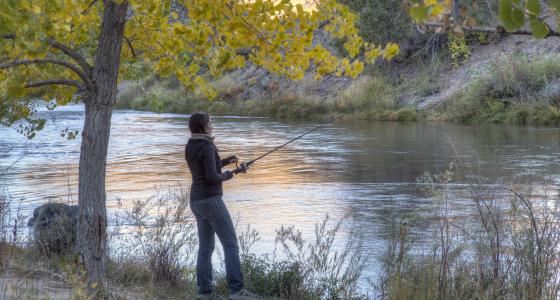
(515, 90)
(154, 242)
(505, 248)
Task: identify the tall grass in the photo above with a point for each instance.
(4, 214)
(152, 255)
(4, 225)
(506, 245)
(505, 248)
(327, 273)
(154, 242)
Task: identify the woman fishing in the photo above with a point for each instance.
(212, 216)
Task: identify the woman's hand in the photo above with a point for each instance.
(229, 160)
(227, 175)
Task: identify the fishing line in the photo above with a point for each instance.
(243, 167)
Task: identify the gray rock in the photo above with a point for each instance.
(54, 228)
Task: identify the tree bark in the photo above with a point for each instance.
(95, 141)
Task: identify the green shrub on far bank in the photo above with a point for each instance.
(368, 97)
(512, 92)
(405, 114)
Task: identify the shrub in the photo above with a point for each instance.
(311, 269)
(368, 97)
(458, 49)
(406, 114)
(504, 248)
(267, 277)
(377, 16)
(426, 81)
(510, 92)
(162, 238)
(326, 272)
(4, 214)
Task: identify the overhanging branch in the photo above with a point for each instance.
(73, 54)
(65, 49)
(68, 65)
(8, 36)
(75, 83)
(487, 29)
(86, 11)
(129, 43)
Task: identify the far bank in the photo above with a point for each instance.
(508, 80)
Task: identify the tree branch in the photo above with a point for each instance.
(68, 65)
(75, 83)
(65, 49)
(86, 11)
(73, 54)
(8, 36)
(130, 46)
(489, 29)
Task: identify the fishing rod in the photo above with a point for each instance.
(243, 167)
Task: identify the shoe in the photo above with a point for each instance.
(205, 297)
(243, 295)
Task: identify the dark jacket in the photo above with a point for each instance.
(206, 169)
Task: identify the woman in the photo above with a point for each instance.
(212, 216)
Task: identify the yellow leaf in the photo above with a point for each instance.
(436, 10)
(94, 285)
(391, 50)
(35, 9)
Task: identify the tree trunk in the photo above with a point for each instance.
(95, 140)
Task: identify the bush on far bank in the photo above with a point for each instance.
(515, 90)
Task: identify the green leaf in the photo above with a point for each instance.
(533, 6)
(40, 124)
(517, 17)
(540, 30)
(505, 15)
(419, 13)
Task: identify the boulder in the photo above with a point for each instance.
(54, 228)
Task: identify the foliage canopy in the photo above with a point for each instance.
(47, 46)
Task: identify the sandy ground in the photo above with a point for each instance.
(38, 284)
(33, 285)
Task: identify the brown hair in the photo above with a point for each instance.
(198, 122)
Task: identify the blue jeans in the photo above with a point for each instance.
(212, 217)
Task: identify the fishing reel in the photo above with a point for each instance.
(241, 168)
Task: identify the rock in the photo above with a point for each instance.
(54, 228)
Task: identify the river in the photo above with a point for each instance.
(366, 171)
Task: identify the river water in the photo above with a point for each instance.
(365, 171)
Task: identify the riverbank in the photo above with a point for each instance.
(152, 255)
(508, 81)
(367, 98)
(503, 246)
(369, 168)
